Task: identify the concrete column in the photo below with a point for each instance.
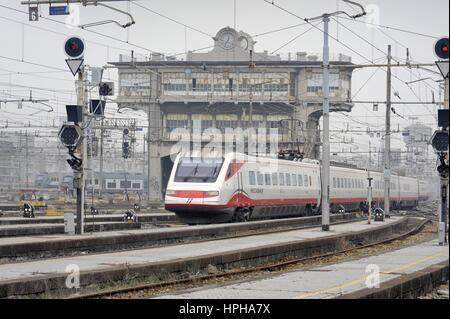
(296, 129)
(311, 133)
(154, 161)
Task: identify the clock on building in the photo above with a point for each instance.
(227, 38)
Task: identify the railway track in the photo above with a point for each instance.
(146, 290)
(173, 235)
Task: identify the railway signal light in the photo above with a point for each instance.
(74, 113)
(106, 89)
(126, 144)
(70, 135)
(74, 48)
(379, 215)
(130, 217)
(440, 141)
(441, 48)
(97, 107)
(126, 150)
(75, 163)
(28, 210)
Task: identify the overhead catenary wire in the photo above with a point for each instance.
(334, 38)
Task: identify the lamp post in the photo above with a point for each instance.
(326, 111)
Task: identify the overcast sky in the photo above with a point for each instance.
(41, 42)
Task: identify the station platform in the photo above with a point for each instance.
(96, 268)
(331, 281)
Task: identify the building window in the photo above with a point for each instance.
(224, 121)
(174, 121)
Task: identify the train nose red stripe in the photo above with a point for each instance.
(191, 194)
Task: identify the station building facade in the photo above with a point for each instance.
(231, 86)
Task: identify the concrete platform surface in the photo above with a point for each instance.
(329, 281)
(35, 269)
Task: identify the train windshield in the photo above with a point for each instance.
(198, 170)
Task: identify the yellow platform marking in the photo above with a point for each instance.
(55, 212)
(363, 279)
(35, 203)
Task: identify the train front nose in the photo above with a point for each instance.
(197, 207)
(184, 197)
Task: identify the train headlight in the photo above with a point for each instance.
(171, 192)
(212, 193)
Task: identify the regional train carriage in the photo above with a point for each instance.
(348, 189)
(424, 190)
(241, 187)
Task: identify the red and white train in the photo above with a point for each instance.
(240, 187)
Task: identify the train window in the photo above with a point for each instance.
(267, 179)
(288, 179)
(136, 185)
(111, 185)
(334, 182)
(281, 179)
(275, 179)
(198, 170)
(125, 184)
(353, 183)
(300, 180)
(305, 180)
(251, 178)
(294, 180)
(310, 181)
(260, 178)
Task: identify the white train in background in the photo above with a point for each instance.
(239, 187)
